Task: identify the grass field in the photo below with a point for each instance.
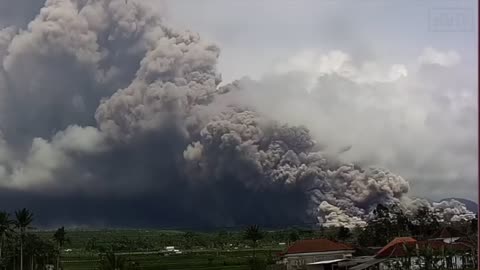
(202, 255)
(195, 260)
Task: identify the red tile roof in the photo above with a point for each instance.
(395, 247)
(316, 245)
(438, 245)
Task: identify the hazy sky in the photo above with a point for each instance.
(255, 34)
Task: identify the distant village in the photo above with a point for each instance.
(390, 240)
(446, 249)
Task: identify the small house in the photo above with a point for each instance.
(316, 254)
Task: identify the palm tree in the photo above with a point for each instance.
(5, 226)
(60, 238)
(23, 220)
(253, 234)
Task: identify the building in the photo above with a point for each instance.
(316, 254)
(408, 253)
(396, 248)
(170, 248)
(447, 235)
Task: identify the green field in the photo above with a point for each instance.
(195, 260)
(227, 250)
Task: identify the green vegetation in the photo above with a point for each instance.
(23, 220)
(390, 221)
(22, 247)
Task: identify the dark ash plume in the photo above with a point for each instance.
(108, 114)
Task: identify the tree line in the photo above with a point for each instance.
(390, 221)
(22, 248)
(19, 248)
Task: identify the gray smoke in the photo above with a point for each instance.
(448, 210)
(107, 109)
(264, 154)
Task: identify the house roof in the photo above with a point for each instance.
(395, 247)
(437, 245)
(447, 232)
(316, 245)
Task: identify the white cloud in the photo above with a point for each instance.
(422, 127)
(315, 64)
(436, 57)
(46, 158)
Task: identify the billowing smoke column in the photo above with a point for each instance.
(109, 117)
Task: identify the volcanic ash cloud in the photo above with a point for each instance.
(101, 101)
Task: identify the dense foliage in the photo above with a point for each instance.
(23, 247)
(19, 248)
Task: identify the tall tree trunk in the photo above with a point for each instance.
(254, 248)
(21, 253)
(58, 257)
(31, 263)
(1, 246)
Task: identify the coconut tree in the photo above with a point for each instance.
(60, 239)
(253, 234)
(23, 220)
(5, 227)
